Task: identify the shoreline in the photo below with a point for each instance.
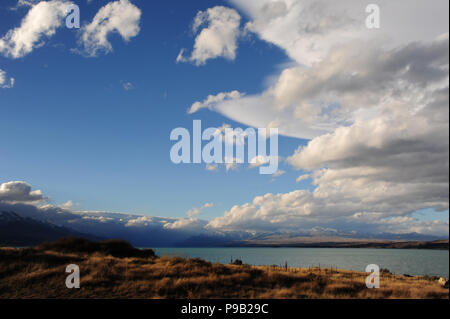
(117, 270)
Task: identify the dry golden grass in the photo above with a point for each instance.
(40, 273)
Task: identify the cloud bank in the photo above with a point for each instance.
(373, 105)
(293, 212)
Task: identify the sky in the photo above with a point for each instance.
(362, 113)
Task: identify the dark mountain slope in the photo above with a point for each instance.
(22, 231)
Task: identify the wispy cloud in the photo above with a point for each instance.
(197, 211)
(211, 100)
(127, 86)
(6, 83)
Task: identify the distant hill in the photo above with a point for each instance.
(339, 242)
(23, 231)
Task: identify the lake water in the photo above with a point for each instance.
(399, 261)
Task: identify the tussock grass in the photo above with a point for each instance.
(115, 269)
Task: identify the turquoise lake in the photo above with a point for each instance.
(399, 261)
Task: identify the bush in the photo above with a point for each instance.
(116, 248)
(237, 262)
(385, 271)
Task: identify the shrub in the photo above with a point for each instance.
(116, 248)
(237, 262)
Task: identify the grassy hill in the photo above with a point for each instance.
(115, 269)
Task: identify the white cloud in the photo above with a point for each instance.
(208, 205)
(187, 224)
(41, 21)
(127, 85)
(257, 161)
(302, 178)
(67, 205)
(19, 192)
(302, 209)
(364, 175)
(306, 30)
(385, 167)
(193, 212)
(260, 160)
(5, 83)
(316, 94)
(119, 16)
(375, 109)
(211, 100)
(212, 167)
(100, 219)
(139, 221)
(197, 211)
(297, 211)
(217, 39)
(180, 57)
(357, 80)
(231, 164)
(279, 173)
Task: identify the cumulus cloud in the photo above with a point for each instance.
(187, 224)
(217, 38)
(5, 83)
(315, 94)
(356, 80)
(303, 210)
(139, 221)
(119, 16)
(386, 166)
(41, 21)
(19, 192)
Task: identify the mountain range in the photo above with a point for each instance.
(22, 230)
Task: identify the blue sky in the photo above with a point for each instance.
(80, 136)
(71, 128)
